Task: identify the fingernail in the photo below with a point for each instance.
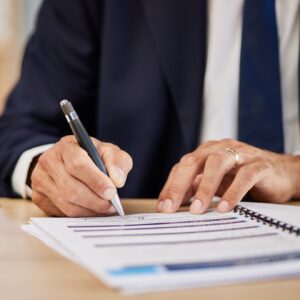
(119, 175)
(112, 210)
(160, 206)
(167, 205)
(109, 194)
(196, 206)
(223, 206)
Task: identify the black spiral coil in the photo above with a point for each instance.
(248, 213)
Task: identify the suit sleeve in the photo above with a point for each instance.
(61, 61)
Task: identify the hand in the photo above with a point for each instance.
(211, 170)
(66, 182)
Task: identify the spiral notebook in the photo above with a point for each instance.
(153, 252)
(267, 220)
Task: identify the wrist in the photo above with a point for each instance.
(31, 168)
(20, 175)
(294, 172)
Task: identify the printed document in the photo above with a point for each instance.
(151, 252)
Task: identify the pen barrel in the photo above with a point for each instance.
(86, 143)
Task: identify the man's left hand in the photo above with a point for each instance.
(230, 169)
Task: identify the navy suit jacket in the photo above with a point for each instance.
(134, 71)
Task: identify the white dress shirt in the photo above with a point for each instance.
(221, 83)
(222, 79)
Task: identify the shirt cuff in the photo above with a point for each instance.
(20, 172)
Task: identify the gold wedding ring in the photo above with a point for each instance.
(235, 154)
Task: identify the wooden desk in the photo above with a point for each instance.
(30, 270)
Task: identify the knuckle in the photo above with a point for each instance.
(206, 144)
(267, 165)
(227, 140)
(262, 169)
(95, 140)
(216, 158)
(126, 157)
(98, 186)
(232, 194)
(173, 192)
(76, 165)
(46, 159)
(36, 198)
(124, 160)
(43, 160)
(35, 181)
(249, 173)
(246, 146)
(257, 169)
(79, 163)
(60, 200)
(66, 139)
(189, 159)
(111, 152)
(110, 146)
(73, 195)
(72, 211)
(204, 192)
(130, 162)
(162, 194)
(105, 205)
(174, 169)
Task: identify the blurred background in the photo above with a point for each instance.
(17, 18)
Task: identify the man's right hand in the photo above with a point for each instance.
(66, 182)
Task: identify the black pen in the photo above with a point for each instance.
(86, 143)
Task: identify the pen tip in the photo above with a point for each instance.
(118, 206)
(121, 212)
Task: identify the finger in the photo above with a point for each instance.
(68, 210)
(216, 166)
(189, 195)
(61, 187)
(246, 178)
(46, 205)
(75, 211)
(183, 174)
(224, 185)
(79, 165)
(72, 205)
(196, 183)
(179, 181)
(118, 162)
(77, 193)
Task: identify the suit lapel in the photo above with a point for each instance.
(178, 29)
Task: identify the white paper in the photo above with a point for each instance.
(149, 252)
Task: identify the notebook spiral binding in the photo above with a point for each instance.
(248, 213)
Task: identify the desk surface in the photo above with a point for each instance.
(31, 270)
